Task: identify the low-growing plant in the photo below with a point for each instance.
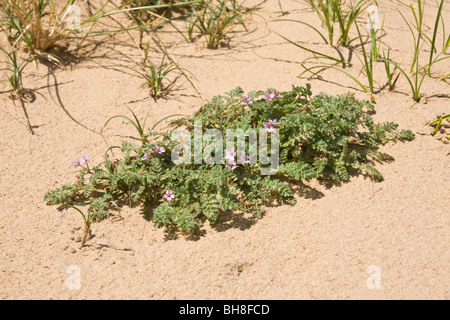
(216, 19)
(15, 72)
(323, 137)
(156, 74)
(14, 75)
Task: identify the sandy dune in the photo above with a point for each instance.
(320, 248)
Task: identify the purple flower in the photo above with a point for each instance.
(247, 100)
(84, 160)
(230, 154)
(270, 96)
(232, 165)
(270, 125)
(244, 159)
(159, 149)
(168, 195)
(278, 94)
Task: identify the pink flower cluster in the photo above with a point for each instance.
(230, 160)
(270, 96)
(156, 149)
(168, 196)
(82, 160)
(247, 100)
(270, 124)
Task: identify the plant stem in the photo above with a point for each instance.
(87, 231)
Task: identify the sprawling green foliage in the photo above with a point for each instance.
(320, 137)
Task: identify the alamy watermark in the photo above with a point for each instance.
(73, 20)
(374, 20)
(213, 153)
(374, 280)
(73, 281)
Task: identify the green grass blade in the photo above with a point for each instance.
(338, 69)
(309, 50)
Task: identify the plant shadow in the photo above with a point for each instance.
(230, 219)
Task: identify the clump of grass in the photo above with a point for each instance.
(14, 73)
(156, 74)
(14, 76)
(216, 20)
(332, 12)
(417, 74)
(156, 10)
(41, 24)
(367, 61)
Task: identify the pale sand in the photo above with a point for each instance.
(319, 248)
